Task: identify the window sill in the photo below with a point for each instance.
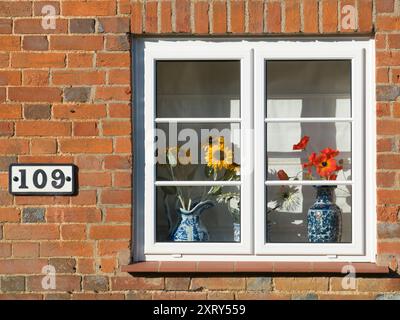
(249, 267)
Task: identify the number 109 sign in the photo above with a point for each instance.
(42, 179)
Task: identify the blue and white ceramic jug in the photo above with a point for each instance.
(190, 227)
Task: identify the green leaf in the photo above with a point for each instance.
(215, 190)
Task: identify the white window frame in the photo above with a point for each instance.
(252, 55)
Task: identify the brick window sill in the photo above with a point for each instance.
(249, 267)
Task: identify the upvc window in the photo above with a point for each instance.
(256, 99)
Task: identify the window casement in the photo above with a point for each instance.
(251, 101)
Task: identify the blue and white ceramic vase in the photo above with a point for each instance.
(324, 217)
(190, 227)
(236, 232)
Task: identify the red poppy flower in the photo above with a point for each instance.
(311, 162)
(302, 144)
(282, 175)
(326, 167)
(330, 153)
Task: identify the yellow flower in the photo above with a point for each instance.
(218, 156)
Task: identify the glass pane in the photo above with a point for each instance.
(319, 160)
(205, 89)
(218, 209)
(198, 151)
(289, 218)
(308, 89)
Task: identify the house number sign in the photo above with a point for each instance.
(42, 179)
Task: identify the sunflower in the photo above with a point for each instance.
(218, 156)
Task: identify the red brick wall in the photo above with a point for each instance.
(65, 97)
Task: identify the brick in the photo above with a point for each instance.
(114, 24)
(119, 76)
(88, 8)
(396, 110)
(388, 297)
(113, 93)
(385, 179)
(394, 41)
(382, 75)
(388, 197)
(35, 43)
(274, 17)
(34, 26)
(32, 94)
(134, 283)
(382, 109)
(95, 179)
(82, 42)
(80, 60)
(378, 285)
(95, 283)
(37, 60)
(301, 284)
(10, 78)
(9, 215)
(42, 200)
(79, 111)
(110, 232)
(123, 179)
(78, 77)
(82, 145)
(365, 16)
(85, 129)
(108, 265)
(85, 266)
(68, 283)
(116, 197)
(388, 230)
(151, 16)
(43, 128)
(6, 129)
(82, 25)
(166, 17)
(259, 284)
(66, 214)
(4, 59)
(38, 7)
(118, 215)
(292, 14)
(6, 161)
(329, 16)
(118, 162)
(177, 283)
(310, 16)
(220, 295)
(89, 162)
(37, 111)
(10, 111)
(77, 94)
(124, 7)
(119, 110)
(37, 78)
(201, 23)
(387, 93)
(136, 17)
(387, 58)
(31, 232)
(5, 198)
(73, 232)
(389, 247)
(220, 283)
(5, 250)
(33, 215)
(384, 145)
(117, 128)
(388, 161)
(14, 146)
(2, 94)
(25, 249)
(256, 18)
(66, 248)
(10, 43)
(85, 197)
(237, 16)
(388, 127)
(112, 248)
(6, 26)
(98, 296)
(219, 20)
(123, 145)
(15, 9)
(117, 43)
(113, 60)
(383, 6)
(13, 284)
(182, 12)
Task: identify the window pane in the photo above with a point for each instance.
(208, 151)
(281, 138)
(287, 210)
(308, 89)
(204, 89)
(218, 207)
